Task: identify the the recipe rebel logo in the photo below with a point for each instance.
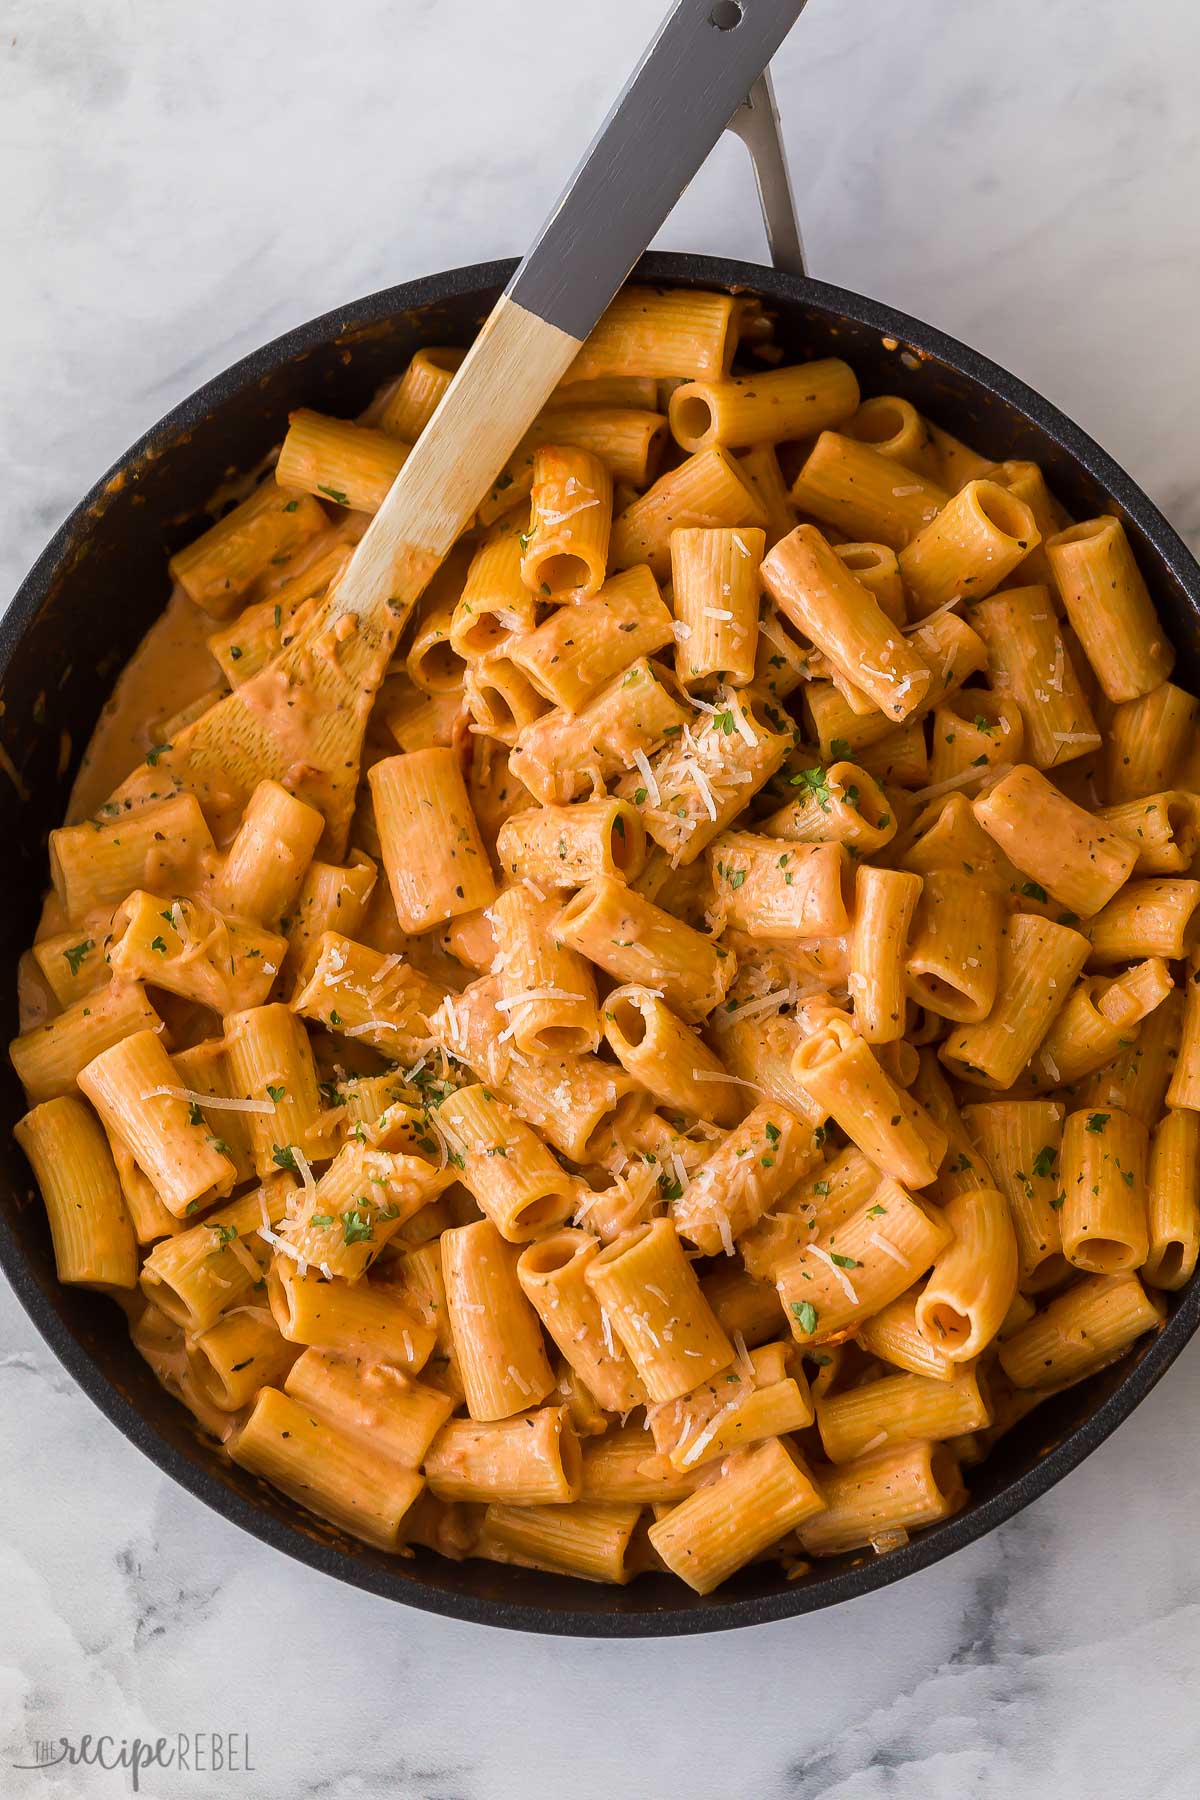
(188, 1752)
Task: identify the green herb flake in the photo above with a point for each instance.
(817, 783)
(805, 1315)
(77, 952)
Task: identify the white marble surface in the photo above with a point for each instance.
(181, 182)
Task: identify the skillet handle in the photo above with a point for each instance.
(689, 85)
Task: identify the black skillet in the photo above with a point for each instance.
(79, 615)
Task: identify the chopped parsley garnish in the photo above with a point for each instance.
(283, 1156)
(77, 952)
(357, 1225)
(334, 494)
(153, 755)
(1033, 890)
(157, 943)
(276, 1093)
(1043, 1162)
(805, 1315)
(844, 1262)
(1097, 1121)
(817, 783)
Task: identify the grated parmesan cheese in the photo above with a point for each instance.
(217, 1102)
(839, 1275)
(647, 774)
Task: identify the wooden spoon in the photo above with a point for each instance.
(300, 721)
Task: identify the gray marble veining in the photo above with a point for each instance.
(183, 182)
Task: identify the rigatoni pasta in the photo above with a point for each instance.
(747, 1051)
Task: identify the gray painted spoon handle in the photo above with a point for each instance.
(696, 73)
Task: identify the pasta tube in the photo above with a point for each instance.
(323, 1468)
(975, 542)
(651, 1297)
(634, 940)
(1104, 1225)
(553, 1277)
(1055, 842)
(135, 1088)
(565, 846)
(1081, 1330)
(844, 620)
(93, 1239)
(1029, 660)
(562, 754)
(900, 1409)
(566, 550)
(216, 569)
(381, 1000)
(887, 1492)
(1110, 608)
(191, 950)
(515, 1180)
(893, 1337)
(699, 782)
(267, 860)
(48, 1058)
(1146, 742)
(352, 465)
(497, 1339)
(715, 587)
(839, 1072)
(587, 1540)
(1147, 918)
(374, 1321)
(1020, 1141)
(759, 1496)
(665, 333)
(573, 653)
(841, 804)
(547, 991)
(1038, 963)
(398, 1416)
(974, 1281)
(270, 1062)
(165, 847)
(1164, 827)
(667, 1058)
(952, 965)
(708, 489)
(877, 1253)
(1173, 1201)
(765, 408)
(433, 876)
(864, 494)
(532, 1459)
(241, 1353)
(418, 393)
(884, 903)
(750, 1170)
